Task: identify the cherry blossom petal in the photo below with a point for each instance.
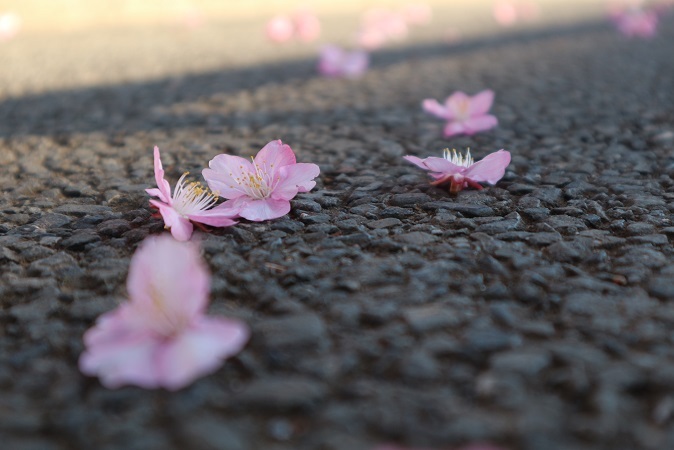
(259, 210)
(225, 173)
(458, 105)
(220, 216)
(454, 128)
(121, 359)
(273, 156)
(181, 228)
(199, 350)
(168, 283)
(154, 192)
(296, 178)
(480, 123)
(434, 108)
(490, 169)
(481, 103)
(163, 185)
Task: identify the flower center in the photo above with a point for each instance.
(457, 158)
(258, 183)
(191, 197)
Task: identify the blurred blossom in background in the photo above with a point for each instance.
(10, 24)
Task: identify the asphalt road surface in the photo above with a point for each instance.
(537, 314)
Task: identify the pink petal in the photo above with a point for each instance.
(458, 105)
(168, 283)
(439, 166)
(223, 174)
(454, 128)
(273, 156)
(259, 210)
(180, 227)
(220, 216)
(434, 108)
(416, 161)
(163, 185)
(490, 169)
(479, 123)
(481, 103)
(199, 350)
(120, 356)
(296, 178)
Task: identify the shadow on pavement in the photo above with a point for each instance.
(130, 107)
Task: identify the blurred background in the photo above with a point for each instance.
(48, 45)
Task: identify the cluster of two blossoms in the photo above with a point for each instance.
(257, 190)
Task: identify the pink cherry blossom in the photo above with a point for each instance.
(464, 114)
(189, 203)
(261, 189)
(337, 62)
(302, 25)
(280, 29)
(636, 22)
(161, 336)
(307, 25)
(461, 171)
(380, 25)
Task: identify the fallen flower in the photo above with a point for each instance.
(337, 62)
(464, 114)
(302, 25)
(161, 336)
(460, 171)
(190, 203)
(280, 29)
(380, 25)
(636, 22)
(307, 25)
(261, 189)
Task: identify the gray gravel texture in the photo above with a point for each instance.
(536, 314)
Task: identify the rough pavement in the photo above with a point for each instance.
(536, 314)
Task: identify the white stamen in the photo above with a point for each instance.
(457, 158)
(190, 198)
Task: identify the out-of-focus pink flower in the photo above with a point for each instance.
(461, 171)
(10, 24)
(307, 25)
(636, 22)
(337, 62)
(161, 336)
(280, 29)
(261, 189)
(302, 25)
(417, 13)
(507, 12)
(464, 114)
(189, 203)
(380, 25)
